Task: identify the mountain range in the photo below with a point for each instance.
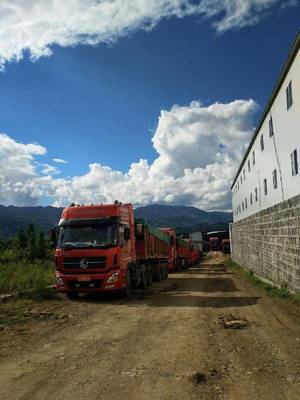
(185, 218)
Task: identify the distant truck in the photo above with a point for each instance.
(214, 244)
(225, 246)
(102, 248)
(184, 252)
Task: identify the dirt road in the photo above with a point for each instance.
(166, 343)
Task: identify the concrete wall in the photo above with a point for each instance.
(268, 243)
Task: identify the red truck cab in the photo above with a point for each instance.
(96, 247)
(225, 245)
(214, 244)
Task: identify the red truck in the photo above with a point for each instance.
(225, 246)
(172, 249)
(195, 255)
(102, 248)
(183, 247)
(214, 244)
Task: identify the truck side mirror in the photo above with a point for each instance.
(126, 233)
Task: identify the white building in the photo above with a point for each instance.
(270, 170)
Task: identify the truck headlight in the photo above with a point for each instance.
(59, 281)
(113, 278)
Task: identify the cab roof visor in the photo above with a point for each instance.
(88, 221)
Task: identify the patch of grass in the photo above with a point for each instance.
(31, 280)
(271, 290)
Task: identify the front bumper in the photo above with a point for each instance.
(89, 283)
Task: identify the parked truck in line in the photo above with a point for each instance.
(225, 246)
(214, 243)
(102, 248)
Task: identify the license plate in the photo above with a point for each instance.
(84, 278)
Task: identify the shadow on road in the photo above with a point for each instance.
(201, 284)
(183, 300)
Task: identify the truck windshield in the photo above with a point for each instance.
(83, 236)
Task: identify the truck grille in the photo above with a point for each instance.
(93, 284)
(90, 262)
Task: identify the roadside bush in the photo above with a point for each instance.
(29, 280)
(26, 265)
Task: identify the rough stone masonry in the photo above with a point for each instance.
(268, 243)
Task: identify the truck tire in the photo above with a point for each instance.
(72, 295)
(144, 279)
(159, 275)
(167, 272)
(149, 276)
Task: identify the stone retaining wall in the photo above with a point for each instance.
(268, 243)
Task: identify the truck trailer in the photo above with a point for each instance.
(101, 248)
(183, 247)
(172, 249)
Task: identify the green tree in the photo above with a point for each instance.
(41, 245)
(21, 240)
(31, 251)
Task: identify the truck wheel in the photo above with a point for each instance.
(144, 279)
(167, 272)
(159, 275)
(72, 295)
(149, 277)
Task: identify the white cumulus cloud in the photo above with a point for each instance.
(199, 148)
(59, 160)
(50, 170)
(34, 26)
(18, 172)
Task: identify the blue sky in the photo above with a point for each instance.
(101, 105)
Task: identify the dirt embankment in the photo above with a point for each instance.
(169, 342)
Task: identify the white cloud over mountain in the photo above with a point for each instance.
(199, 148)
(34, 26)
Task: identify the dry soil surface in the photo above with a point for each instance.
(165, 343)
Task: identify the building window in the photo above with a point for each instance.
(244, 173)
(243, 206)
(271, 130)
(246, 203)
(294, 161)
(265, 187)
(289, 96)
(275, 179)
(256, 194)
(251, 198)
(248, 165)
(262, 145)
(253, 157)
